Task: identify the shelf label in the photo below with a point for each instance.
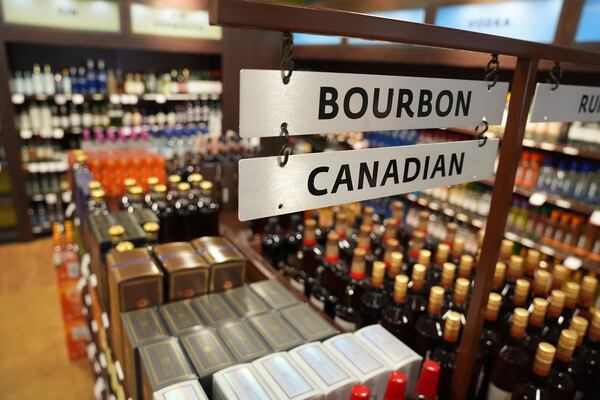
(567, 103)
(174, 22)
(573, 263)
(85, 15)
(317, 180)
(595, 218)
(323, 102)
(537, 199)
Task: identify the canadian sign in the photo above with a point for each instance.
(565, 104)
(316, 180)
(321, 102)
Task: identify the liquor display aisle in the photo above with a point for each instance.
(473, 288)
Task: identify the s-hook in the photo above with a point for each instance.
(556, 74)
(481, 129)
(284, 150)
(287, 52)
(491, 71)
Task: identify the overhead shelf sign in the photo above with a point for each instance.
(85, 15)
(170, 21)
(509, 18)
(589, 23)
(317, 180)
(320, 102)
(567, 103)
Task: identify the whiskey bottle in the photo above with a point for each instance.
(369, 217)
(465, 267)
(165, 213)
(185, 210)
(458, 302)
(342, 230)
(441, 257)
(445, 355)
(427, 384)
(116, 234)
(428, 328)
(447, 278)
(541, 284)
(396, 386)
(307, 259)
(97, 204)
(417, 298)
(391, 245)
(151, 229)
(536, 386)
(374, 299)
(560, 275)
(506, 251)
(561, 380)
(395, 268)
(172, 193)
(324, 293)
(514, 272)
(397, 212)
(499, 274)
(425, 259)
(537, 316)
(488, 344)
(208, 211)
(397, 316)
(554, 320)
(415, 247)
(517, 299)
(571, 290)
(390, 232)
(363, 241)
(511, 360)
(133, 200)
(589, 284)
(580, 326)
(458, 249)
(271, 245)
(346, 314)
(588, 361)
(531, 264)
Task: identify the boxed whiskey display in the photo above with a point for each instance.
(274, 294)
(187, 274)
(227, 264)
(207, 353)
(278, 333)
(308, 323)
(285, 378)
(214, 309)
(135, 282)
(333, 380)
(245, 302)
(241, 382)
(243, 341)
(188, 390)
(364, 364)
(162, 364)
(139, 327)
(180, 317)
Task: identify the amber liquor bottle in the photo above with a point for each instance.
(506, 250)
(447, 278)
(364, 241)
(165, 213)
(499, 274)
(374, 299)
(554, 319)
(511, 360)
(391, 245)
(458, 250)
(560, 275)
(515, 271)
(589, 284)
(562, 375)
(428, 328)
(397, 316)
(415, 247)
(536, 385)
(458, 301)
(537, 316)
(488, 344)
(451, 230)
(346, 314)
(445, 354)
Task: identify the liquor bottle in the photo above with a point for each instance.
(395, 268)
(391, 245)
(458, 249)
(165, 213)
(445, 354)
(172, 182)
(368, 217)
(391, 229)
(429, 327)
(346, 314)
(560, 275)
(396, 386)
(562, 375)
(292, 239)
(134, 200)
(374, 299)
(185, 210)
(511, 360)
(514, 272)
(324, 220)
(537, 316)
(331, 273)
(271, 245)
(360, 392)
(397, 316)
(536, 386)
(586, 297)
(499, 274)
(517, 299)
(397, 212)
(208, 209)
(363, 241)
(417, 294)
(151, 229)
(488, 344)
(342, 230)
(447, 278)
(571, 290)
(588, 361)
(531, 264)
(458, 301)
(415, 247)
(554, 320)
(451, 230)
(580, 326)
(441, 257)
(425, 259)
(427, 384)
(541, 284)
(97, 203)
(506, 250)
(307, 259)
(465, 267)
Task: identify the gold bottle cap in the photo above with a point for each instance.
(153, 180)
(392, 244)
(461, 290)
(418, 236)
(452, 327)
(557, 302)
(506, 248)
(116, 230)
(391, 225)
(378, 273)
(571, 294)
(451, 228)
(129, 182)
(396, 259)
(195, 178)
(357, 269)
(521, 291)
(310, 223)
(80, 157)
(206, 185)
(448, 273)
(538, 311)
(515, 266)
(589, 284)
(499, 273)
(519, 322)
(92, 185)
(332, 250)
(423, 216)
(566, 344)
(397, 205)
(418, 272)
(443, 250)
(174, 179)
(183, 186)
(532, 261)
(560, 274)
(579, 325)
(424, 257)
(541, 281)
(124, 246)
(493, 306)
(400, 286)
(543, 358)
(596, 319)
(151, 227)
(135, 190)
(97, 194)
(436, 297)
(458, 247)
(160, 188)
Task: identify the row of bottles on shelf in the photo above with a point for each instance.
(357, 270)
(577, 134)
(473, 197)
(95, 78)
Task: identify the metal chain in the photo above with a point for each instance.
(491, 71)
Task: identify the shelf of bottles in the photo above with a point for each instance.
(8, 218)
(95, 108)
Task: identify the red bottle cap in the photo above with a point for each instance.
(428, 379)
(360, 392)
(396, 386)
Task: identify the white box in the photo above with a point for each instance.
(241, 382)
(332, 378)
(189, 390)
(390, 349)
(285, 378)
(355, 356)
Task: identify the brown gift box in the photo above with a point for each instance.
(228, 265)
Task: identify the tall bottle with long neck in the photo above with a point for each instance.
(562, 375)
(307, 259)
(499, 274)
(397, 316)
(511, 360)
(588, 361)
(541, 284)
(554, 320)
(572, 290)
(515, 271)
(391, 245)
(445, 355)
(417, 294)
(536, 385)
(346, 314)
(364, 241)
(395, 268)
(374, 299)
(324, 293)
(589, 284)
(537, 316)
(441, 257)
(488, 344)
(517, 299)
(428, 329)
(458, 301)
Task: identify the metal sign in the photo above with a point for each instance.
(321, 102)
(565, 104)
(324, 179)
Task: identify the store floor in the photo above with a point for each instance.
(33, 357)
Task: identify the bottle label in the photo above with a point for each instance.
(495, 393)
(317, 303)
(346, 325)
(297, 285)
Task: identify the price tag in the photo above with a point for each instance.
(511, 236)
(570, 151)
(17, 99)
(563, 203)
(566, 103)
(477, 223)
(528, 143)
(528, 242)
(434, 206)
(449, 212)
(537, 199)
(547, 146)
(595, 218)
(573, 263)
(548, 250)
